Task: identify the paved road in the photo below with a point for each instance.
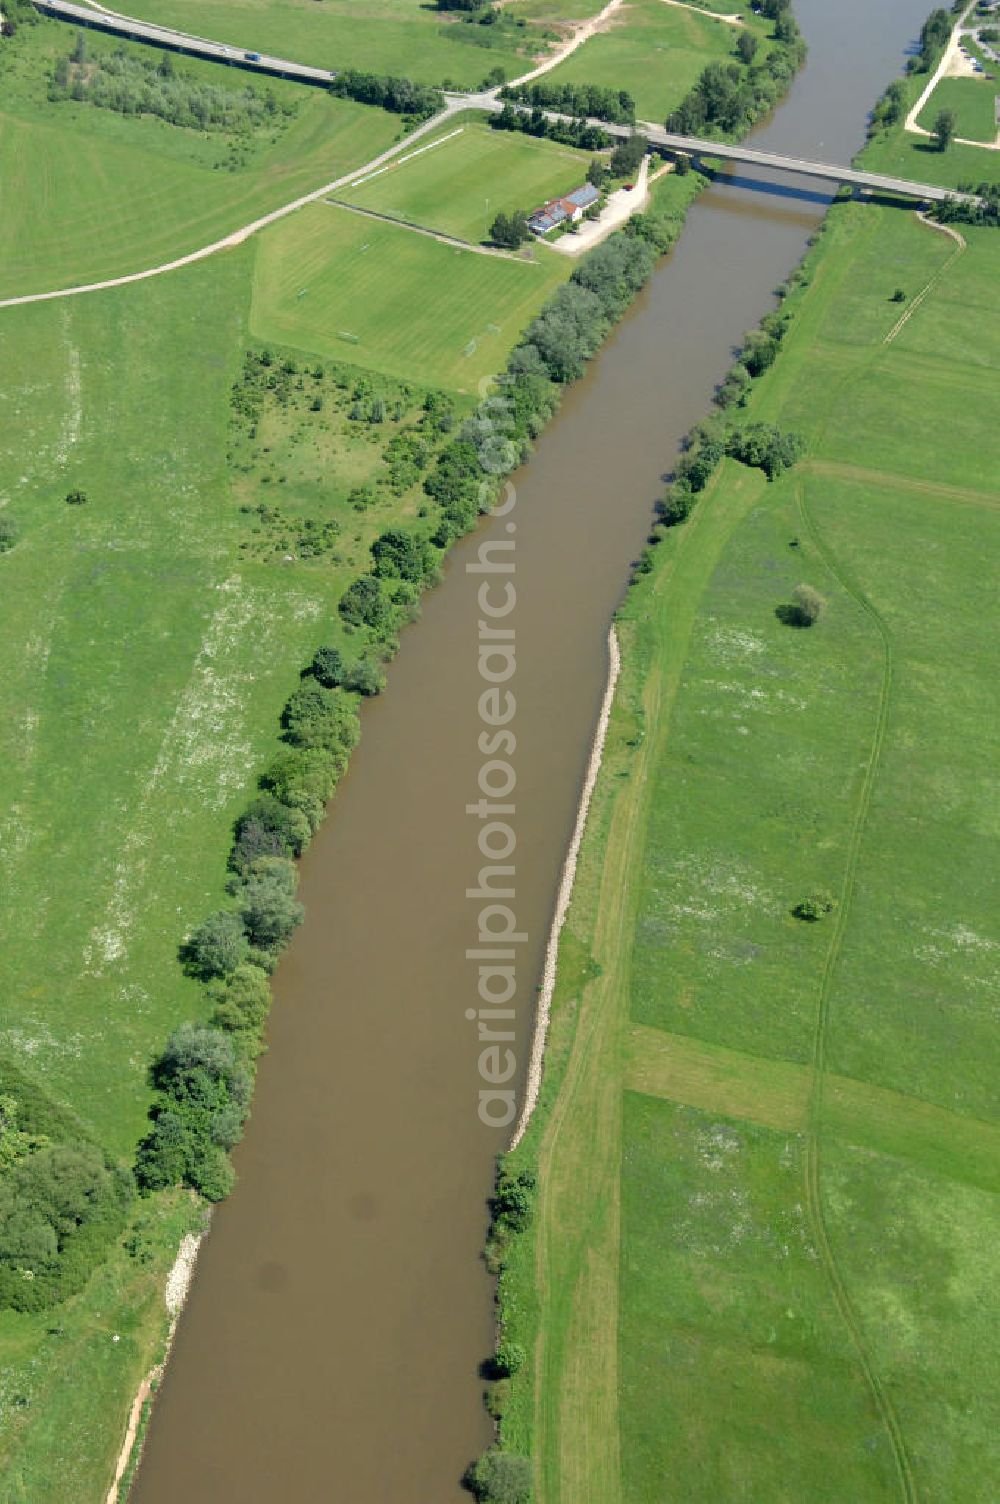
(182, 41)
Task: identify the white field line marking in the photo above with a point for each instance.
(408, 158)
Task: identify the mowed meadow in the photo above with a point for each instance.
(764, 1261)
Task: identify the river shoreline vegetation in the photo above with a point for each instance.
(748, 1231)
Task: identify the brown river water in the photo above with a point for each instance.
(330, 1347)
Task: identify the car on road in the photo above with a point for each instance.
(252, 57)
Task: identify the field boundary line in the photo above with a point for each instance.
(883, 1402)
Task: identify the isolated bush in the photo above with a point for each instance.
(76, 498)
(513, 1201)
(216, 947)
(815, 906)
(810, 603)
(500, 1478)
(8, 535)
(676, 505)
(899, 296)
(508, 1359)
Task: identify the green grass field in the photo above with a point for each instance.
(764, 1261)
(405, 37)
(655, 51)
(459, 186)
(973, 101)
(390, 299)
(90, 195)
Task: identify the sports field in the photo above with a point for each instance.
(764, 1264)
(405, 37)
(89, 194)
(468, 174)
(653, 50)
(387, 298)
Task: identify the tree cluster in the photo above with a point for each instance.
(934, 35)
(535, 123)
(890, 109)
(132, 85)
(203, 1078)
(765, 447)
(203, 1088)
(583, 101)
(510, 230)
(627, 156)
(954, 211)
(62, 1201)
(398, 95)
(729, 97)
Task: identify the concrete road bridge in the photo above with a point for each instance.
(180, 41)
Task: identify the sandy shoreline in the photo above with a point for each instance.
(175, 1292)
(549, 968)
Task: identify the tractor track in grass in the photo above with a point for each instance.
(883, 1402)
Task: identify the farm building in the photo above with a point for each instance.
(560, 210)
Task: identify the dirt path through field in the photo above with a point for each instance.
(582, 34)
